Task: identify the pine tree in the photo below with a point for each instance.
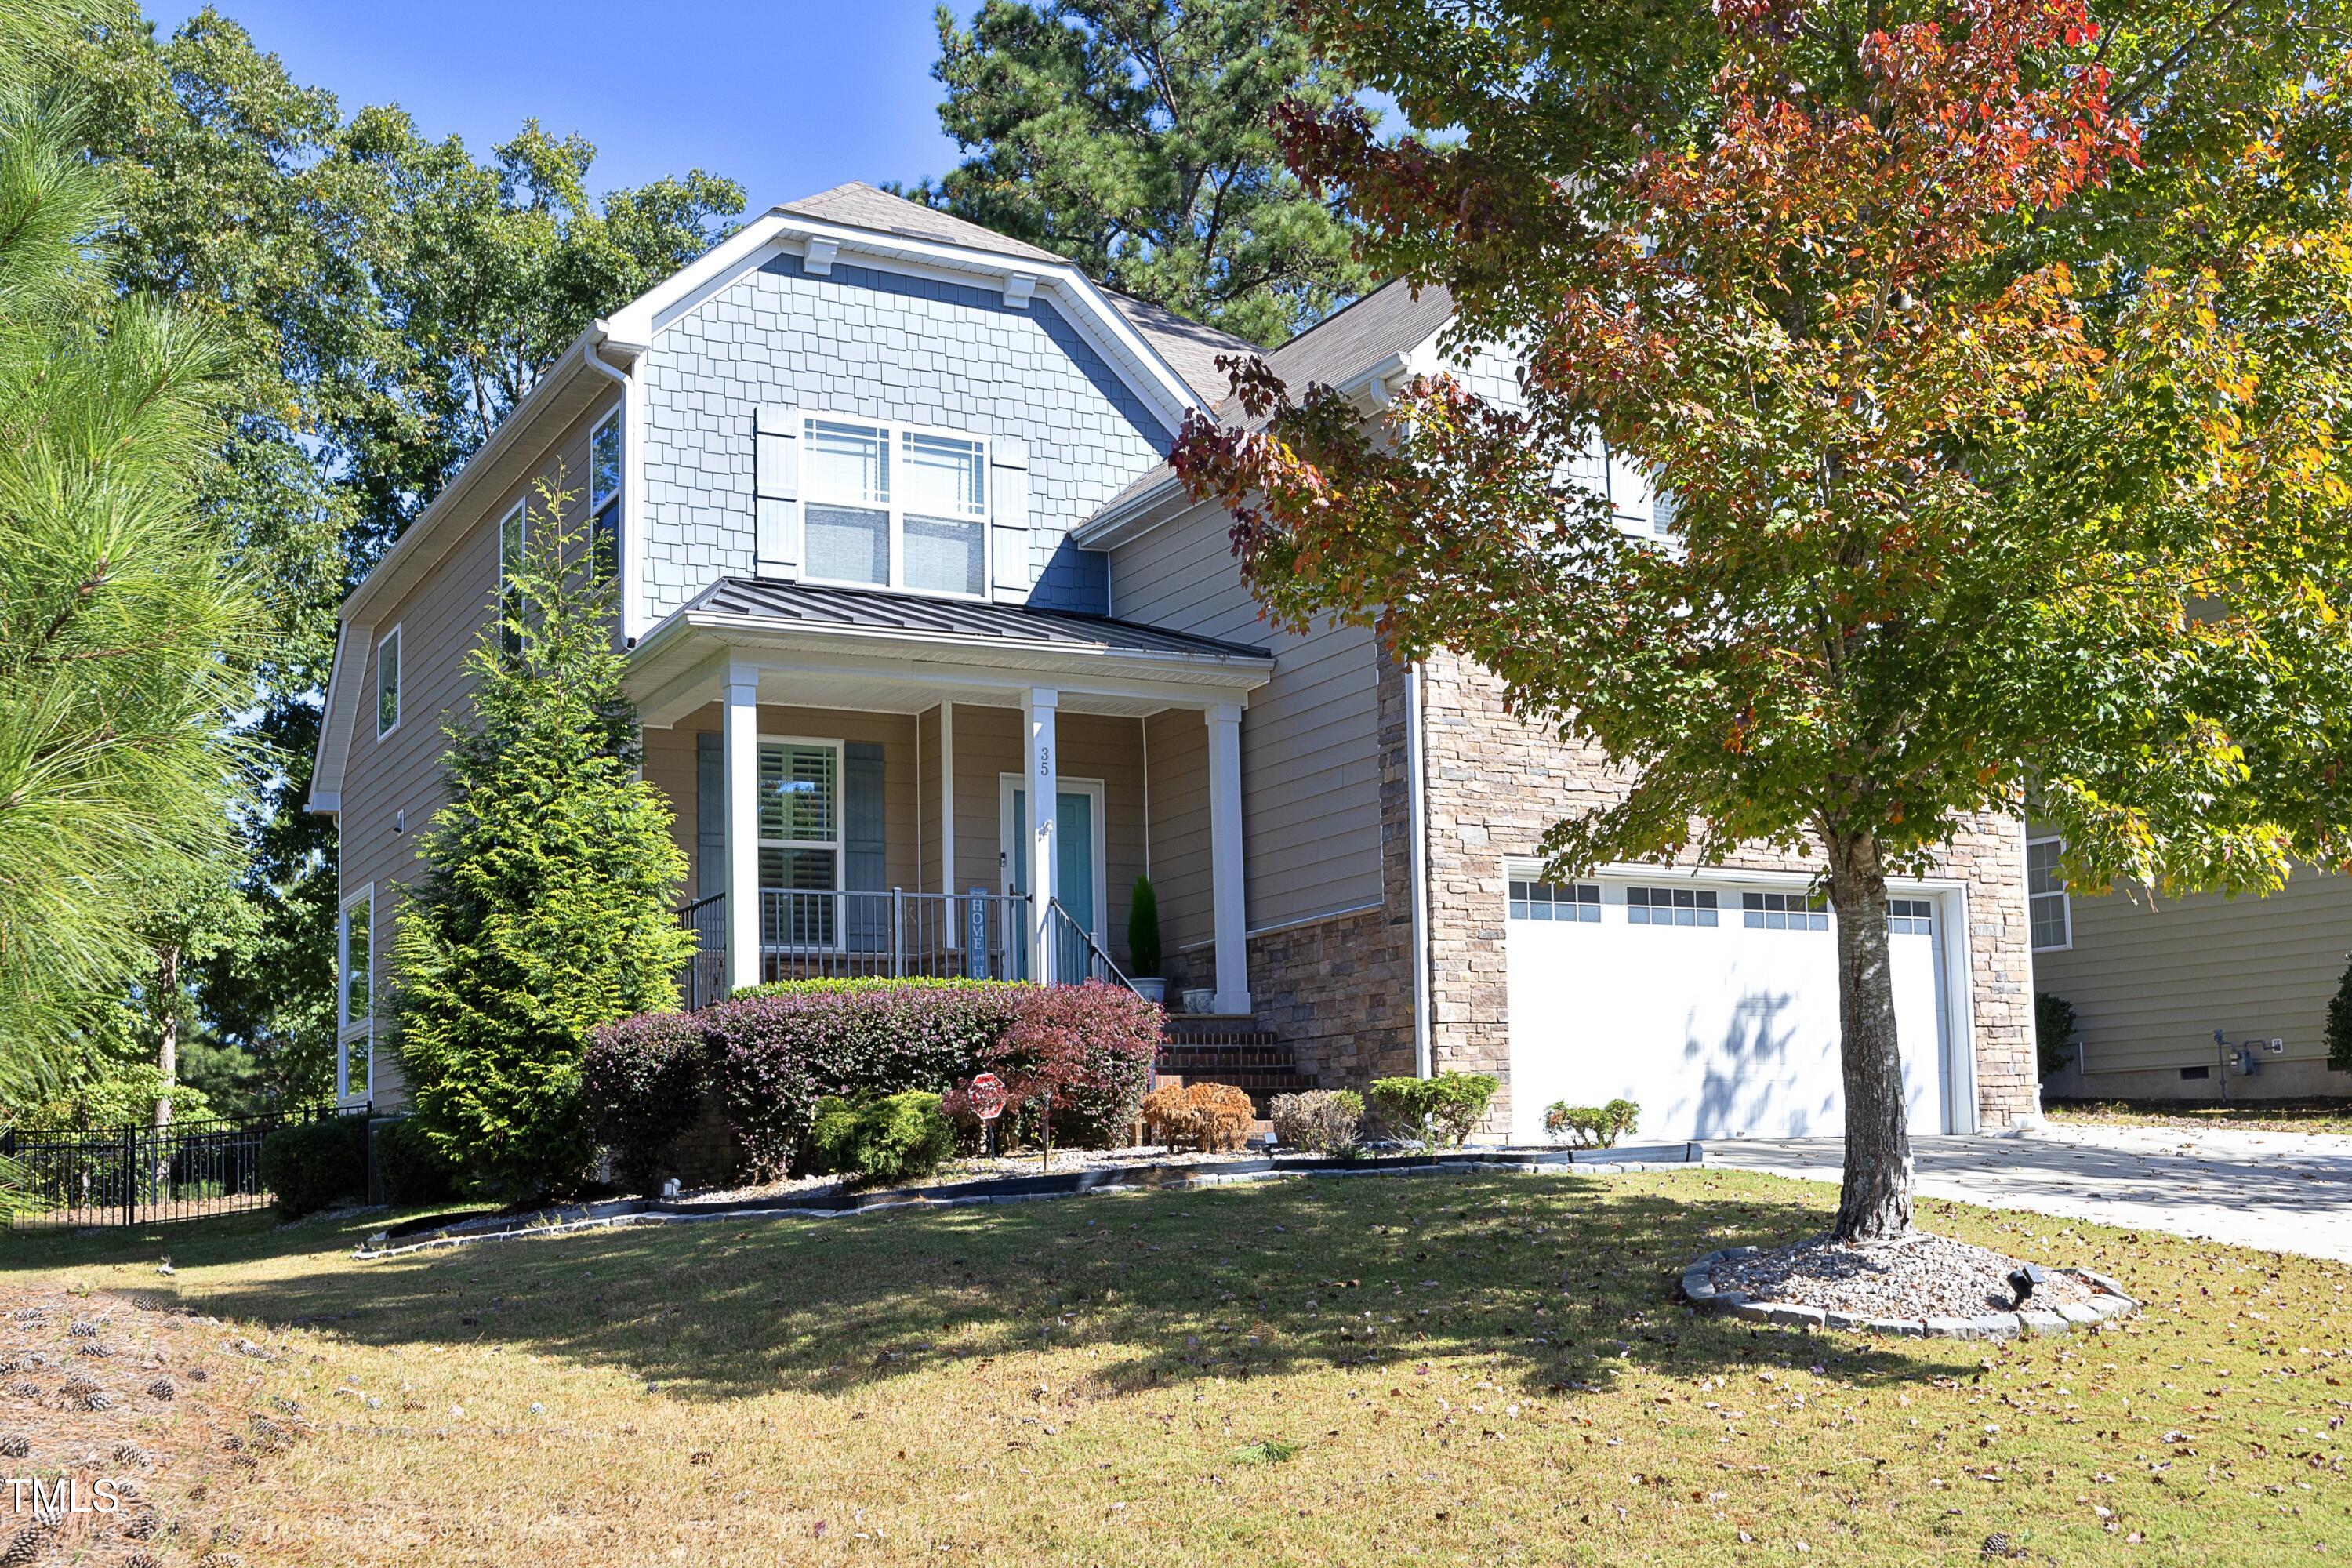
(546, 905)
(1135, 138)
(124, 629)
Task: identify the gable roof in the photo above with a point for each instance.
(1189, 348)
(1384, 325)
(857, 205)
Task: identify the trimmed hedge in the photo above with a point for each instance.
(642, 1081)
(312, 1165)
(412, 1169)
(775, 1052)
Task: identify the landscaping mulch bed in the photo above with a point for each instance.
(1919, 1276)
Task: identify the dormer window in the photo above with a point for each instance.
(892, 507)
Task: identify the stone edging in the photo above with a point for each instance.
(1017, 1190)
(1698, 1289)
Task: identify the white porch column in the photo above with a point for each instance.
(947, 798)
(1043, 789)
(1229, 922)
(740, 752)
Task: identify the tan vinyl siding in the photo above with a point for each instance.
(1311, 753)
(987, 744)
(670, 764)
(439, 619)
(1178, 742)
(2150, 978)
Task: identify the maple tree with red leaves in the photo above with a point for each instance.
(1988, 358)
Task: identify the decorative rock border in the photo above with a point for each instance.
(2109, 1302)
(441, 1230)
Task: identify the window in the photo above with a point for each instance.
(1784, 911)
(895, 508)
(604, 498)
(1910, 917)
(800, 842)
(387, 684)
(1549, 901)
(354, 991)
(2047, 914)
(510, 545)
(1670, 906)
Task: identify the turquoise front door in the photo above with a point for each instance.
(1074, 859)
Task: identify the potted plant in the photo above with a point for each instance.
(1143, 941)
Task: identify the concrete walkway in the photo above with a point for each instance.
(2282, 1192)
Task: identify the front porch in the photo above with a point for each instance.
(875, 785)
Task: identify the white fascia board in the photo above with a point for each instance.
(778, 232)
(420, 535)
(335, 724)
(1124, 521)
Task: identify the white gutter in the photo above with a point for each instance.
(1417, 808)
(633, 490)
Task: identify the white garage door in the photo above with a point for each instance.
(1713, 1008)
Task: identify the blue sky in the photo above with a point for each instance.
(787, 97)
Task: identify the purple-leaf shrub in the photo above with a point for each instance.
(642, 1081)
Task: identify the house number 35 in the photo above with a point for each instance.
(1045, 761)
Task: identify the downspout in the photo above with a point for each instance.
(1417, 810)
(632, 609)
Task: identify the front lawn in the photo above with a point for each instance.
(2320, 1115)
(1484, 1369)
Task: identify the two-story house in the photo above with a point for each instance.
(934, 658)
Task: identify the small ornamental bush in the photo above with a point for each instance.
(412, 1169)
(1445, 1109)
(2054, 1032)
(1318, 1120)
(1085, 1050)
(1210, 1117)
(312, 1165)
(882, 1138)
(643, 1081)
(1591, 1126)
(2338, 1034)
(1143, 930)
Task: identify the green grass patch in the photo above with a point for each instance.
(1480, 1369)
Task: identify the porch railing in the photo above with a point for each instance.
(1077, 957)
(825, 935)
(704, 979)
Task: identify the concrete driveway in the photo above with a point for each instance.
(2282, 1192)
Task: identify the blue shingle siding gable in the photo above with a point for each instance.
(882, 346)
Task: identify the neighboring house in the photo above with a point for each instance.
(2151, 979)
(920, 623)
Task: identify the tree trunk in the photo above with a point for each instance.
(167, 1038)
(167, 1060)
(1876, 1202)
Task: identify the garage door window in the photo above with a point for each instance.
(1669, 907)
(1784, 911)
(1580, 902)
(1910, 917)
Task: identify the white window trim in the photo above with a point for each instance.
(2065, 895)
(838, 844)
(1012, 831)
(618, 500)
(894, 430)
(400, 685)
(347, 1029)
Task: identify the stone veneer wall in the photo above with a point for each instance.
(1338, 990)
(1496, 784)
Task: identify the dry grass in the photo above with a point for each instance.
(1487, 1369)
(2329, 1115)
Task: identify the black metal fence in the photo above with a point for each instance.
(143, 1175)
